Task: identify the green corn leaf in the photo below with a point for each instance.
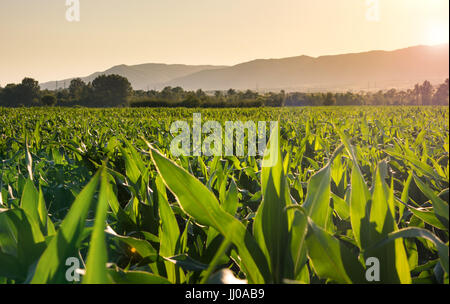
(11, 268)
(230, 204)
(393, 259)
(440, 206)
(132, 169)
(33, 204)
(271, 226)
(142, 247)
(169, 230)
(30, 203)
(359, 198)
(413, 232)
(29, 161)
(427, 215)
(422, 166)
(405, 195)
(341, 207)
(51, 265)
(330, 259)
(229, 201)
(317, 202)
(135, 277)
(97, 256)
(298, 233)
(187, 263)
(197, 201)
(21, 243)
(317, 207)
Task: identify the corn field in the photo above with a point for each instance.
(352, 187)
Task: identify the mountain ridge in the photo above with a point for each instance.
(141, 76)
(370, 70)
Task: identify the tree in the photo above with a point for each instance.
(330, 100)
(426, 91)
(271, 99)
(378, 99)
(192, 101)
(249, 94)
(28, 92)
(77, 89)
(111, 90)
(24, 94)
(283, 97)
(441, 95)
(1, 96)
(390, 96)
(231, 92)
(178, 93)
(402, 95)
(200, 94)
(63, 97)
(48, 100)
(416, 93)
(411, 97)
(9, 94)
(166, 93)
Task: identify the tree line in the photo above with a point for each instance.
(103, 91)
(116, 91)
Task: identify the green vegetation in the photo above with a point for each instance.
(100, 185)
(116, 91)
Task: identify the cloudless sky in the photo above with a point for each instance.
(36, 40)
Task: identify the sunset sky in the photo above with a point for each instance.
(36, 40)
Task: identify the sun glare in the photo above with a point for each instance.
(437, 35)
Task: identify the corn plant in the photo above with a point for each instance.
(95, 196)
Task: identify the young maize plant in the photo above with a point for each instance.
(357, 195)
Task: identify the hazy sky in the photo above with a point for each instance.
(36, 39)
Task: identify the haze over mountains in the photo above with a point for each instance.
(374, 70)
(142, 76)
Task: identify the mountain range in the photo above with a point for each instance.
(373, 70)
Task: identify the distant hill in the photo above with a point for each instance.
(374, 70)
(143, 76)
